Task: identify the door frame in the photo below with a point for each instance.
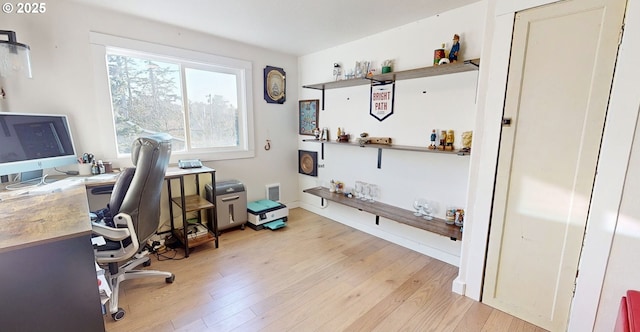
(614, 158)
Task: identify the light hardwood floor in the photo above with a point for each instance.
(313, 275)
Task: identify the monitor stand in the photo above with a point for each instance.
(31, 177)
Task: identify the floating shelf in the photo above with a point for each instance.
(452, 68)
(379, 209)
(339, 84)
(380, 147)
(389, 147)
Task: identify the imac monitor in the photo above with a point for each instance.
(33, 142)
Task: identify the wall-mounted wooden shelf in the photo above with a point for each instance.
(380, 147)
(379, 209)
(338, 84)
(452, 68)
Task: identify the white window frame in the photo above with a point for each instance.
(103, 43)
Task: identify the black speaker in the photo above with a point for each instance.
(308, 162)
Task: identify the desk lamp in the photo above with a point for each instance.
(14, 58)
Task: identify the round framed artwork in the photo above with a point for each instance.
(308, 162)
(274, 85)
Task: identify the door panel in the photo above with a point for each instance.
(560, 74)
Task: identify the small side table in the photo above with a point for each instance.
(192, 203)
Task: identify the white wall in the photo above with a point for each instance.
(622, 273)
(617, 235)
(63, 82)
(449, 103)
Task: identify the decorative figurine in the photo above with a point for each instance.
(450, 217)
(466, 141)
(316, 133)
(459, 218)
(432, 146)
(443, 136)
(438, 54)
(337, 71)
(449, 140)
(344, 137)
(324, 135)
(455, 49)
(364, 138)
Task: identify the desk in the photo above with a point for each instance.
(47, 269)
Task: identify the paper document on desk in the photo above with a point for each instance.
(98, 241)
(54, 186)
(103, 177)
(7, 195)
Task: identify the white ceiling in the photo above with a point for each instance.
(295, 27)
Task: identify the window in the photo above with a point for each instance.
(202, 100)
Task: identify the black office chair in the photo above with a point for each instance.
(135, 207)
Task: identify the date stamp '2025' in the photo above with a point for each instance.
(24, 8)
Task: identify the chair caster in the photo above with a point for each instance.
(118, 315)
(147, 263)
(169, 280)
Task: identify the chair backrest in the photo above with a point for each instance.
(119, 191)
(137, 191)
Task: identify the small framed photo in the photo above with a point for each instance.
(308, 115)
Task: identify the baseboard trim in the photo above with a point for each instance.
(458, 286)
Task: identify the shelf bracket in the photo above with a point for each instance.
(322, 150)
(323, 98)
(377, 220)
(379, 158)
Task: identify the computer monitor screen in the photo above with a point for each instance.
(31, 142)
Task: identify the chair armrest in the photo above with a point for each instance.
(114, 234)
(117, 234)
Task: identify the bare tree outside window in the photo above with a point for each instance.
(213, 109)
(148, 96)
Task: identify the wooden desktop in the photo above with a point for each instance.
(47, 266)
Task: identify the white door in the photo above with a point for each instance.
(560, 74)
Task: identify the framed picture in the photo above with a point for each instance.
(274, 85)
(308, 115)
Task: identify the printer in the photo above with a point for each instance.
(267, 214)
